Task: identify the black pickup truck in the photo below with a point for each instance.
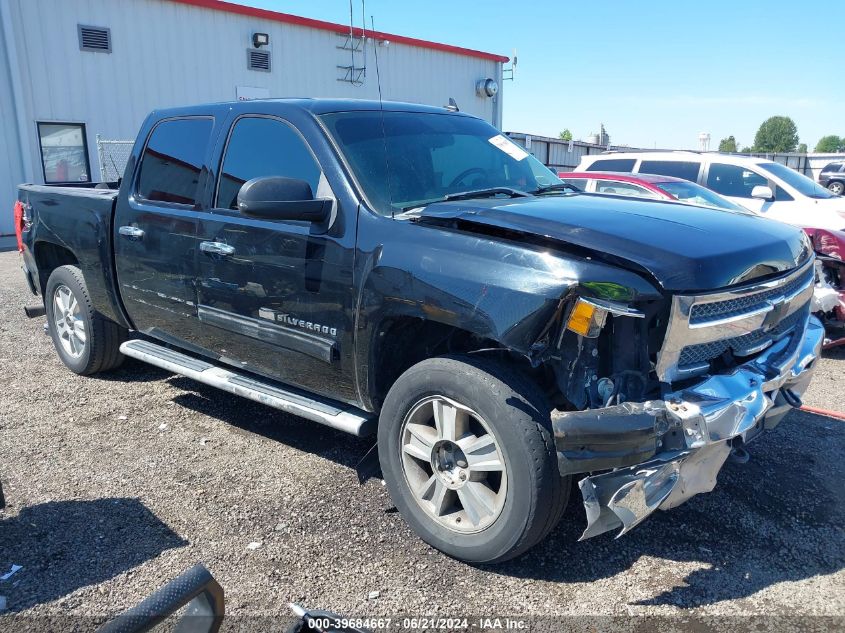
(409, 271)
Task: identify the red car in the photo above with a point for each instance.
(648, 186)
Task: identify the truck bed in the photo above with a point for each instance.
(74, 221)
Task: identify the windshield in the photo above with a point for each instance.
(800, 183)
(692, 193)
(423, 157)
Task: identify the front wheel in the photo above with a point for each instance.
(836, 188)
(86, 341)
(467, 455)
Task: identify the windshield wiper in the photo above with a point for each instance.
(486, 193)
(558, 186)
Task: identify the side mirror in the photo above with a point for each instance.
(762, 192)
(280, 198)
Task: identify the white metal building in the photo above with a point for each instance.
(73, 70)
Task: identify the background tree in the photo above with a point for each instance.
(566, 135)
(776, 134)
(802, 148)
(746, 150)
(728, 144)
(830, 143)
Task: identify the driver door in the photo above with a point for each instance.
(271, 292)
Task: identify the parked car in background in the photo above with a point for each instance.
(763, 186)
(829, 294)
(649, 186)
(833, 177)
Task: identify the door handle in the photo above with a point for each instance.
(217, 248)
(132, 232)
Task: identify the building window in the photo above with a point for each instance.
(64, 152)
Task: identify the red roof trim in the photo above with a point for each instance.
(287, 18)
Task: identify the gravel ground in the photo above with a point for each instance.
(115, 484)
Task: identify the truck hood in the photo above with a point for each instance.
(684, 248)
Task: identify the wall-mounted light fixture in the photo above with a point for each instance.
(260, 39)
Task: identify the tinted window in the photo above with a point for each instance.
(733, 180)
(404, 160)
(622, 189)
(613, 164)
(674, 168)
(264, 147)
(172, 160)
(833, 167)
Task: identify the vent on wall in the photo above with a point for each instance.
(258, 59)
(94, 38)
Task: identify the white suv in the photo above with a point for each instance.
(763, 186)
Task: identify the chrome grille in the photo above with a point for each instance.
(704, 312)
(744, 320)
(694, 354)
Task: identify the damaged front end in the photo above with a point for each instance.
(730, 365)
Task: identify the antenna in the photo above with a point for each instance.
(381, 110)
(352, 41)
(364, 37)
(511, 70)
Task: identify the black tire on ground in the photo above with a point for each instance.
(518, 416)
(100, 351)
(836, 187)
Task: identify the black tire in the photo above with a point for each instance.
(518, 416)
(836, 187)
(101, 349)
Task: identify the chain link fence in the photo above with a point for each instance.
(113, 157)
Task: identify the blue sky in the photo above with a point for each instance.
(656, 74)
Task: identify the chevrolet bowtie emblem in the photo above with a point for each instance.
(776, 314)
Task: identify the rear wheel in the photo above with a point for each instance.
(836, 188)
(86, 341)
(467, 455)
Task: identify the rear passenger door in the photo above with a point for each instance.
(271, 293)
(155, 241)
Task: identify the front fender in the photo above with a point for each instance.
(508, 292)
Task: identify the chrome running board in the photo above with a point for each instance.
(339, 416)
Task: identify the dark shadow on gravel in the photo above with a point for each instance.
(251, 417)
(133, 370)
(777, 518)
(65, 545)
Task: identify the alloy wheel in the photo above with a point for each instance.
(453, 464)
(68, 321)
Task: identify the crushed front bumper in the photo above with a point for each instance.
(662, 452)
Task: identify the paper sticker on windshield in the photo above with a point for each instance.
(508, 147)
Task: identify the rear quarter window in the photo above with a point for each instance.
(613, 164)
(688, 170)
(173, 159)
